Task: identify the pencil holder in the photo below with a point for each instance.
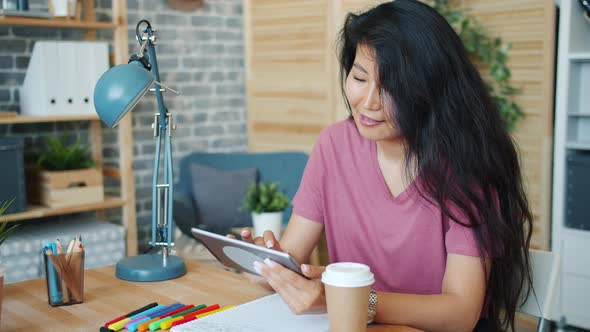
(64, 276)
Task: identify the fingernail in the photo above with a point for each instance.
(269, 262)
(305, 268)
(244, 233)
(257, 267)
(269, 244)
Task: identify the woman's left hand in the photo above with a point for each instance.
(301, 295)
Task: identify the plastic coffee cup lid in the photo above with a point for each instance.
(348, 275)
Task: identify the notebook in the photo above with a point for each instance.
(269, 313)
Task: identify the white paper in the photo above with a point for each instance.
(269, 313)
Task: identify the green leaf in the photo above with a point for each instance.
(497, 42)
(470, 46)
(264, 197)
(5, 206)
(507, 90)
(59, 155)
(4, 231)
(501, 56)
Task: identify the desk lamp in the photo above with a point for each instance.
(117, 91)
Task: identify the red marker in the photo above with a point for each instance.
(193, 315)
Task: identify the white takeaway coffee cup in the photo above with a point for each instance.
(347, 288)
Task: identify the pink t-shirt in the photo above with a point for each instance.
(404, 239)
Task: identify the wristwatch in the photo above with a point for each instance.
(372, 306)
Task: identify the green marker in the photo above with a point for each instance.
(156, 325)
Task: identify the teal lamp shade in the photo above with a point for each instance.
(119, 89)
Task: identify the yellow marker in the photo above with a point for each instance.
(215, 311)
(166, 325)
(119, 325)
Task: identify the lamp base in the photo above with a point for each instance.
(150, 267)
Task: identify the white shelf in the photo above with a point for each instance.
(576, 232)
(581, 145)
(579, 56)
(571, 140)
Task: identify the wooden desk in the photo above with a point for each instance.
(25, 307)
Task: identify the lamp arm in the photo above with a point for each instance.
(167, 87)
(137, 34)
(154, 62)
(161, 213)
(155, 194)
(168, 161)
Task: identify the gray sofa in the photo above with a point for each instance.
(211, 186)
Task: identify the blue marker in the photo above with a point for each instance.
(133, 325)
(53, 280)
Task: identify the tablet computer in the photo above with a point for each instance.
(242, 255)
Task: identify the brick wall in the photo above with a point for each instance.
(199, 53)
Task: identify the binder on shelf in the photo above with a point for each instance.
(38, 95)
(89, 70)
(67, 65)
(61, 77)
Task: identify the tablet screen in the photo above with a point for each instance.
(242, 255)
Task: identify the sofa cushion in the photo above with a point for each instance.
(218, 196)
(283, 167)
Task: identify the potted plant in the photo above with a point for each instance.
(4, 232)
(64, 175)
(266, 204)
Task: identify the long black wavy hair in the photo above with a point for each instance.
(454, 137)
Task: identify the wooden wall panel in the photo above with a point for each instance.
(287, 74)
(530, 26)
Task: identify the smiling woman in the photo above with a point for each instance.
(364, 95)
(421, 183)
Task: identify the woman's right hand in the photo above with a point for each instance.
(267, 240)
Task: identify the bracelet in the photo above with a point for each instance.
(372, 306)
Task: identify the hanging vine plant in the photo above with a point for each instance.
(491, 54)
